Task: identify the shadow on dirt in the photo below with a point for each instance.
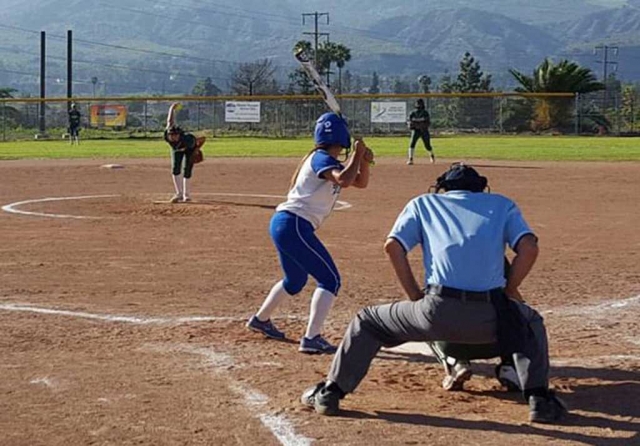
(599, 390)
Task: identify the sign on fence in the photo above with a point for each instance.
(241, 111)
(108, 115)
(388, 112)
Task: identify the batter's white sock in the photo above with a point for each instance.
(321, 302)
(273, 301)
(177, 184)
(186, 187)
(411, 152)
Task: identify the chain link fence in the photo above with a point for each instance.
(292, 116)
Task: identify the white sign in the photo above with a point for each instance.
(241, 111)
(388, 112)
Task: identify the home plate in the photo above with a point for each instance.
(412, 347)
(112, 166)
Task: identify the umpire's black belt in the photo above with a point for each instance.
(455, 293)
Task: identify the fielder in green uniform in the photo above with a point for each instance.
(419, 122)
(74, 124)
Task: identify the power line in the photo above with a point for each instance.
(316, 33)
(605, 64)
(122, 67)
(122, 47)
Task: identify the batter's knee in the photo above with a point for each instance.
(331, 284)
(294, 285)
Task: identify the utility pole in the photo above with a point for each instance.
(605, 65)
(69, 67)
(43, 48)
(316, 31)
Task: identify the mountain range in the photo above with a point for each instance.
(165, 46)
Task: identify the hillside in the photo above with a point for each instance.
(165, 46)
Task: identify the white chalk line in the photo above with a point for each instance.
(279, 425)
(12, 208)
(255, 401)
(46, 381)
(596, 310)
(137, 320)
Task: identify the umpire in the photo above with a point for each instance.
(463, 233)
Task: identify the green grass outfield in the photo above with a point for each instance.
(525, 148)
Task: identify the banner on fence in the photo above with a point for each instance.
(241, 111)
(388, 112)
(108, 115)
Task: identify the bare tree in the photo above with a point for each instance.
(253, 77)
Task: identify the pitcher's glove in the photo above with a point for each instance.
(369, 156)
(198, 156)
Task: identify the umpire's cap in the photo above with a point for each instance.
(332, 129)
(461, 177)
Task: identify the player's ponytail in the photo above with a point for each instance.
(294, 178)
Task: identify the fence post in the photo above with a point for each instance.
(198, 104)
(577, 113)
(500, 117)
(4, 121)
(145, 117)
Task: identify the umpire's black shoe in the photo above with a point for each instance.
(323, 399)
(546, 409)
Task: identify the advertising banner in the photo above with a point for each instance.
(388, 112)
(241, 111)
(108, 115)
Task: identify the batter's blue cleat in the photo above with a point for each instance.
(266, 328)
(316, 345)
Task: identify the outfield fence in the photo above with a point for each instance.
(290, 116)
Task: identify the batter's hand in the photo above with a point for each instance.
(359, 148)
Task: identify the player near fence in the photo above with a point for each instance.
(419, 122)
(462, 233)
(314, 190)
(74, 124)
(185, 151)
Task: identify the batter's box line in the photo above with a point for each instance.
(595, 311)
(137, 320)
(254, 401)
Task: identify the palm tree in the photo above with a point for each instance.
(563, 77)
(330, 52)
(342, 55)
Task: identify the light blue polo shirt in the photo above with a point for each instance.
(463, 236)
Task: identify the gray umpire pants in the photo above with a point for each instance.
(434, 318)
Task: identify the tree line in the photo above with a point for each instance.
(331, 58)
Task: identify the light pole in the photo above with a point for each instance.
(94, 81)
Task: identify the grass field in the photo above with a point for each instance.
(526, 148)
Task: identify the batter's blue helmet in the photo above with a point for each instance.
(332, 129)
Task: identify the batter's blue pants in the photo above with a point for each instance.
(302, 254)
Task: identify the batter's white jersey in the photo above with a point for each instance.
(313, 197)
